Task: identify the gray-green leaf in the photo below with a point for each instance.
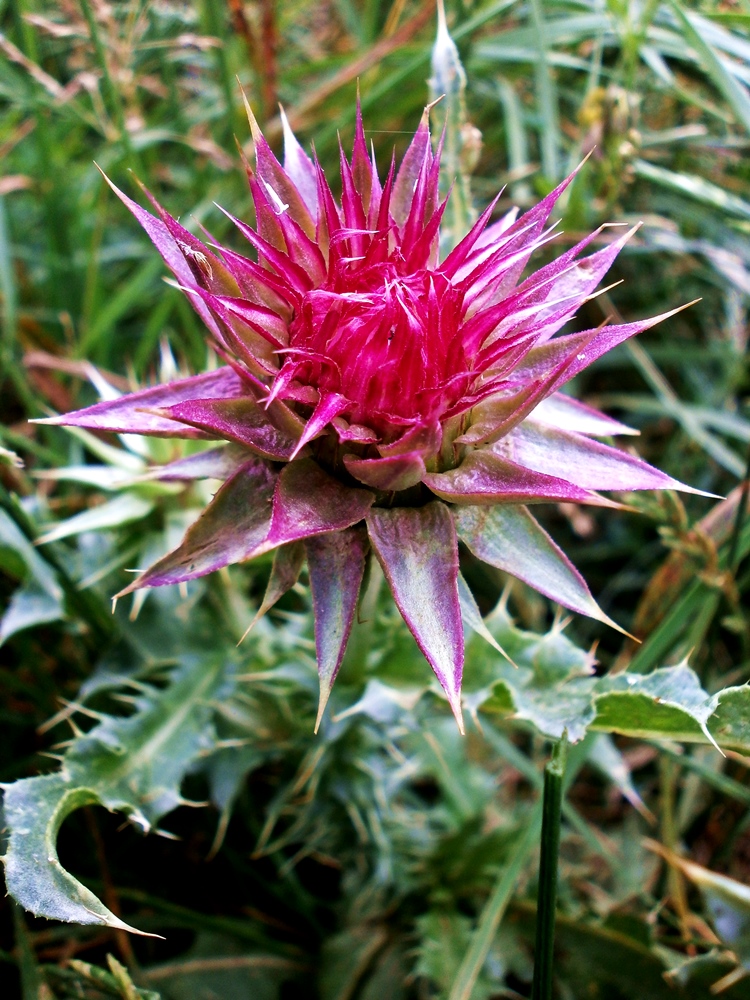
(133, 765)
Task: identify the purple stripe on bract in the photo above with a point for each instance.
(512, 540)
(583, 461)
(308, 501)
(217, 463)
(171, 253)
(568, 414)
(417, 548)
(230, 530)
(133, 414)
(336, 563)
(300, 168)
(242, 419)
(395, 472)
(486, 478)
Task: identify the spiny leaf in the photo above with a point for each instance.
(133, 765)
(548, 681)
(35, 809)
(668, 703)
(552, 688)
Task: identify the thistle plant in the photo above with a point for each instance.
(380, 401)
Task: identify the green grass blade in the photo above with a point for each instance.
(126, 298)
(547, 97)
(736, 94)
(495, 908)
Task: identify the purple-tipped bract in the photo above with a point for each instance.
(389, 402)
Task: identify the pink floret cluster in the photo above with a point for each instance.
(381, 401)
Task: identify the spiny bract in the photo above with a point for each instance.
(379, 399)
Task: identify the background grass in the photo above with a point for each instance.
(362, 869)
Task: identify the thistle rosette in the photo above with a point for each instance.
(379, 400)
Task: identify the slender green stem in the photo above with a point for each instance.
(554, 773)
(25, 29)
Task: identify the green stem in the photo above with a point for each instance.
(554, 773)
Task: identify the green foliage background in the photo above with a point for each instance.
(386, 856)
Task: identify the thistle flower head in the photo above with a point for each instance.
(381, 400)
